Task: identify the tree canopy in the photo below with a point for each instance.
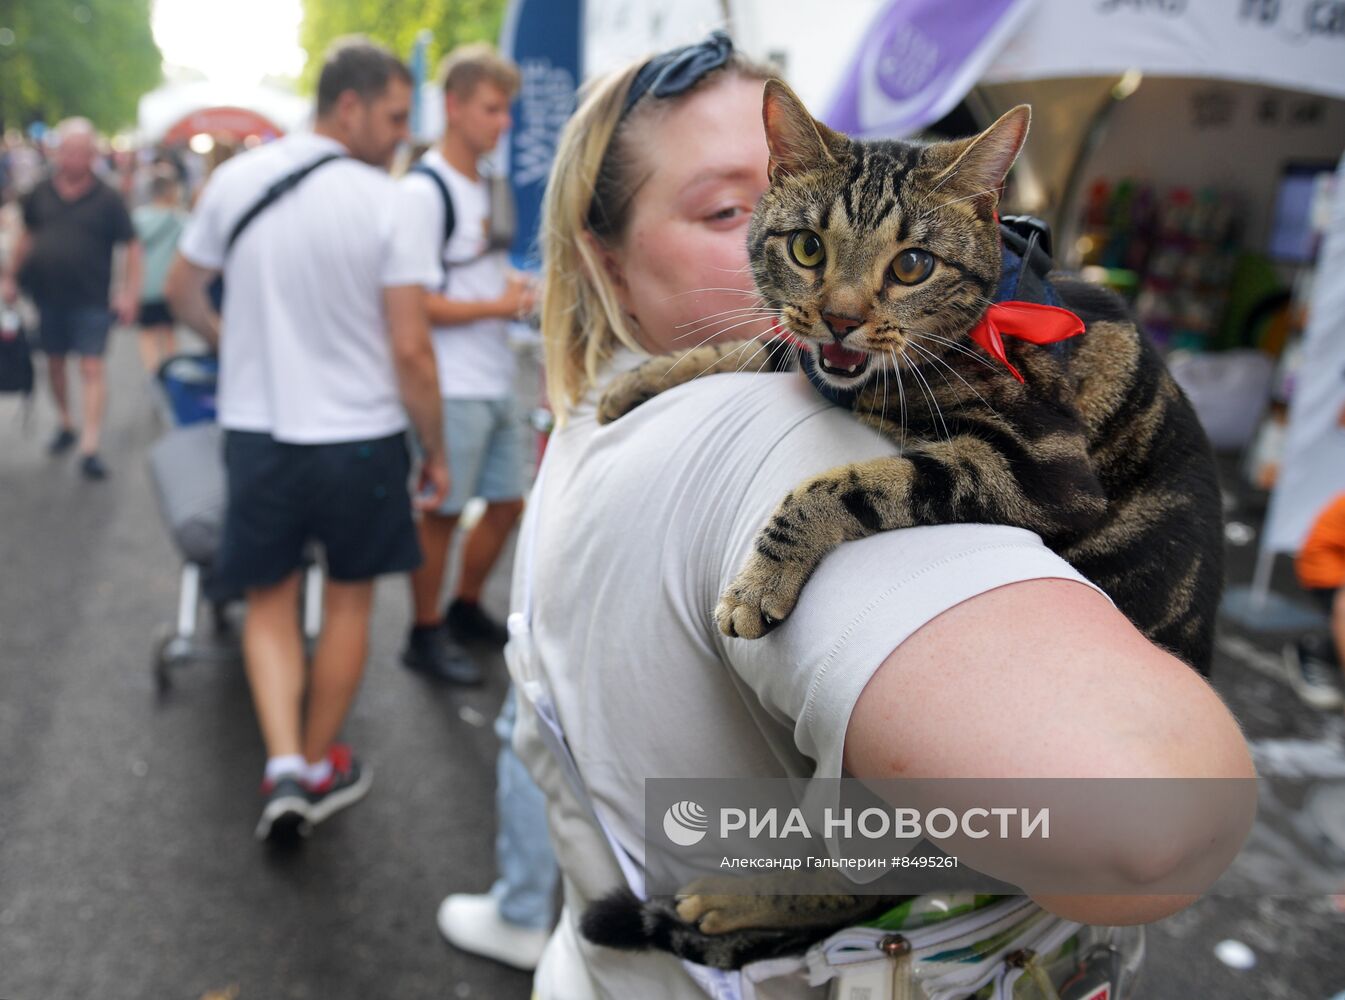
(59, 58)
(396, 23)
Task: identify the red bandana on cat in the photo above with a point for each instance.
(1031, 321)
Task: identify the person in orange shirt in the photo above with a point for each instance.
(1312, 661)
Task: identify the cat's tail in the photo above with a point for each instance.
(621, 920)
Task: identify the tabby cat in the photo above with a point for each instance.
(881, 258)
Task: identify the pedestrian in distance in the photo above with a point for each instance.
(1313, 661)
(324, 352)
(471, 301)
(73, 223)
(158, 224)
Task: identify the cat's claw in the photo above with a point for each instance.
(759, 599)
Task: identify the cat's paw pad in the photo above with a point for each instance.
(760, 598)
(712, 913)
(625, 394)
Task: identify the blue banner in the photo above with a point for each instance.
(544, 37)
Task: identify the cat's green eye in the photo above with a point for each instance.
(805, 247)
(912, 266)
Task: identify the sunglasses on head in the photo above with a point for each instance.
(676, 72)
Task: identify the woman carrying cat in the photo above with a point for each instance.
(949, 651)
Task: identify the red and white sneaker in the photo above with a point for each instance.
(347, 784)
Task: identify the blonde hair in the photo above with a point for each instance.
(594, 179)
(468, 65)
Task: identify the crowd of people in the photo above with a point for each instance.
(367, 393)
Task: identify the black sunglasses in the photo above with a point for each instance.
(679, 70)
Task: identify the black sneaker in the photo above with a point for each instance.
(62, 442)
(348, 783)
(466, 622)
(286, 815)
(432, 652)
(92, 467)
(1313, 680)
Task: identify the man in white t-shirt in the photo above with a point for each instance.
(471, 302)
(324, 350)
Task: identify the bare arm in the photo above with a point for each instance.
(185, 289)
(9, 285)
(1001, 687)
(127, 299)
(418, 379)
(516, 301)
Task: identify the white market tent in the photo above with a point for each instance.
(175, 112)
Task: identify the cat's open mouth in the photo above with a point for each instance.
(841, 362)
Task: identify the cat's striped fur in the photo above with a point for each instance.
(1096, 450)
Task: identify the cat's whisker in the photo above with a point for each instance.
(718, 361)
(728, 316)
(882, 416)
(953, 346)
(940, 364)
(765, 346)
(723, 312)
(931, 401)
(954, 201)
(753, 293)
(901, 393)
(715, 334)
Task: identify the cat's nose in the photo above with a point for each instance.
(839, 324)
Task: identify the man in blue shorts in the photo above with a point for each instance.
(471, 303)
(72, 224)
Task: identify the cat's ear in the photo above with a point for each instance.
(982, 163)
(798, 142)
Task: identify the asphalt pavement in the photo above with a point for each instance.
(128, 870)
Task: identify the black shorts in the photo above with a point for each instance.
(155, 313)
(1324, 598)
(351, 497)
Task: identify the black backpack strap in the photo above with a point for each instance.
(425, 170)
(281, 187)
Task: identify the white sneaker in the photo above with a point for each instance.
(1311, 678)
(474, 924)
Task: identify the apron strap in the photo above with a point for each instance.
(716, 983)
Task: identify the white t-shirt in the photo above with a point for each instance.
(475, 359)
(640, 525)
(304, 351)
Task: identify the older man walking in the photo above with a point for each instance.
(72, 224)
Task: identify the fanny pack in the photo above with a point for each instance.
(935, 947)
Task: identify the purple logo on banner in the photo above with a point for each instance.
(918, 60)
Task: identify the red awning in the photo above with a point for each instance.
(234, 124)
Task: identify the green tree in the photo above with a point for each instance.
(75, 57)
(395, 23)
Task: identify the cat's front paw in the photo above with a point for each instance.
(626, 393)
(731, 908)
(759, 599)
